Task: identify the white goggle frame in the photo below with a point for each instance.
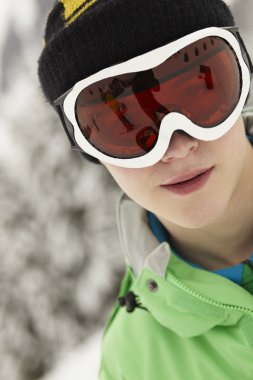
(174, 120)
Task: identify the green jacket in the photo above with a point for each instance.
(194, 324)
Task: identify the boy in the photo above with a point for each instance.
(178, 75)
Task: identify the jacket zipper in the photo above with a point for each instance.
(174, 281)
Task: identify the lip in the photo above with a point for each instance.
(191, 184)
(187, 176)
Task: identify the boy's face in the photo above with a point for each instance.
(228, 157)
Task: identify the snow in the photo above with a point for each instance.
(82, 363)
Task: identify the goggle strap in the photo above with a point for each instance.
(71, 139)
(245, 53)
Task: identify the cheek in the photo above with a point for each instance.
(232, 147)
(134, 182)
(140, 185)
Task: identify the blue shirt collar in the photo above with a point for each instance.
(233, 273)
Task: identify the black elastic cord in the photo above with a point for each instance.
(130, 301)
(249, 263)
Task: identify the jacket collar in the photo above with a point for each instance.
(140, 247)
(189, 301)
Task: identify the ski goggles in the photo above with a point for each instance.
(126, 114)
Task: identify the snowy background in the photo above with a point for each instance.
(60, 259)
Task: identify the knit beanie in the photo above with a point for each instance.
(83, 37)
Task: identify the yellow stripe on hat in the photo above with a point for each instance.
(74, 8)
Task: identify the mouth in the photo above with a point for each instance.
(190, 182)
(187, 177)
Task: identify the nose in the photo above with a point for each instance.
(181, 144)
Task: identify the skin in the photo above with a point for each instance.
(212, 226)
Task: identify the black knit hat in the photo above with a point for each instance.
(83, 37)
